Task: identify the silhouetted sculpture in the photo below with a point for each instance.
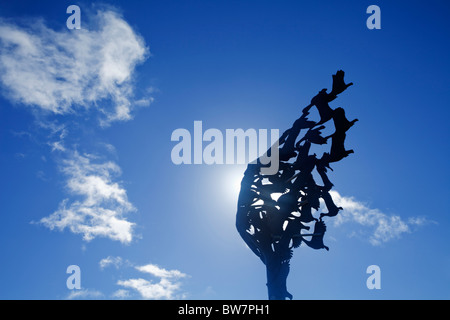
(272, 228)
(317, 239)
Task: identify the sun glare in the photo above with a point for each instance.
(232, 181)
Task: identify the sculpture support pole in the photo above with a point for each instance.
(277, 272)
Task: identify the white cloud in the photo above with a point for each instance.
(168, 287)
(67, 71)
(84, 294)
(121, 294)
(160, 272)
(57, 146)
(111, 261)
(165, 284)
(103, 203)
(383, 227)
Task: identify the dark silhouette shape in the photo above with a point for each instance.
(272, 227)
(341, 125)
(338, 84)
(313, 136)
(332, 208)
(321, 102)
(317, 239)
(290, 136)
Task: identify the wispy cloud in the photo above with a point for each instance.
(102, 206)
(121, 294)
(116, 262)
(381, 226)
(68, 71)
(167, 285)
(156, 283)
(158, 272)
(69, 74)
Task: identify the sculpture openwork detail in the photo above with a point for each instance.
(272, 227)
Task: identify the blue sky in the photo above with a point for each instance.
(86, 118)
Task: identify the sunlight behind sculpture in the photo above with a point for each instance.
(272, 227)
